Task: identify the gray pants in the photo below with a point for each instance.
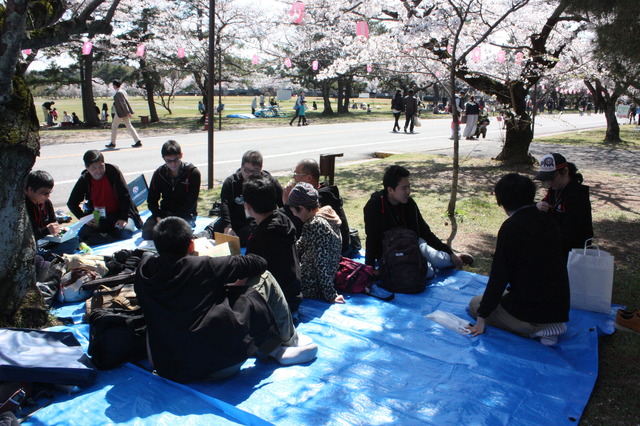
(502, 319)
(436, 259)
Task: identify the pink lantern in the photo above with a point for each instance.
(519, 57)
(86, 48)
(297, 12)
(449, 49)
(438, 74)
(369, 68)
(362, 30)
(314, 65)
(27, 52)
(557, 89)
(476, 55)
(140, 50)
(502, 56)
(255, 60)
(543, 87)
(180, 52)
(287, 63)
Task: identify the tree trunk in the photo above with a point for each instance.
(613, 128)
(519, 133)
(150, 87)
(19, 143)
(347, 93)
(91, 118)
(341, 108)
(453, 196)
(326, 89)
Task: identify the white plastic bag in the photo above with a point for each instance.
(450, 321)
(590, 278)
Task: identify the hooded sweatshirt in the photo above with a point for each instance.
(196, 325)
(274, 239)
(319, 248)
(179, 194)
(529, 264)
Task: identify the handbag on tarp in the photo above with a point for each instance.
(44, 356)
(590, 278)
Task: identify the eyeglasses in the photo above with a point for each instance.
(299, 174)
(251, 171)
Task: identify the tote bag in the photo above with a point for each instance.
(590, 278)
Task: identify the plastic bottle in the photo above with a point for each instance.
(84, 248)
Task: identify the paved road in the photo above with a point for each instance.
(283, 147)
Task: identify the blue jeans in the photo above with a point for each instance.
(436, 259)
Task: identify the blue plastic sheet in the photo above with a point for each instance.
(378, 363)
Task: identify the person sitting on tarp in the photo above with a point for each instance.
(233, 220)
(274, 238)
(528, 289)
(105, 191)
(42, 216)
(393, 207)
(308, 170)
(178, 184)
(206, 315)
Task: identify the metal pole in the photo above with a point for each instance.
(220, 87)
(535, 109)
(210, 94)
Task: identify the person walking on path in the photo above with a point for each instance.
(302, 114)
(296, 107)
(123, 113)
(397, 105)
(472, 111)
(410, 109)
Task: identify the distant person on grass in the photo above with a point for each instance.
(173, 190)
(206, 315)
(528, 289)
(123, 114)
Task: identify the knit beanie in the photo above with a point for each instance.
(303, 194)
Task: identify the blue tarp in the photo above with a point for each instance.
(378, 363)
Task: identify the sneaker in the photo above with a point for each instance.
(291, 355)
(111, 145)
(138, 144)
(466, 258)
(627, 320)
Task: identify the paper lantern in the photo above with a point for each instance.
(314, 65)
(438, 74)
(502, 56)
(140, 50)
(86, 48)
(476, 55)
(543, 87)
(369, 68)
(297, 12)
(449, 49)
(287, 63)
(557, 89)
(362, 30)
(519, 57)
(255, 60)
(180, 52)
(27, 52)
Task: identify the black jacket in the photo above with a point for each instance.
(398, 102)
(274, 239)
(82, 192)
(232, 209)
(179, 195)
(472, 108)
(40, 216)
(195, 325)
(571, 211)
(528, 262)
(380, 216)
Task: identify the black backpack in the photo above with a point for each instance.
(402, 267)
(116, 336)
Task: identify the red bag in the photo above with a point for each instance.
(353, 277)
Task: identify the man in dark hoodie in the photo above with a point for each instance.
(178, 184)
(308, 170)
(233, 220)
(105, 191)
(529, 264)
(206, 315)
(274, 238)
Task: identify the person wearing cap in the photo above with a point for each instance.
(394, 207)
(528, 288)
(410, 110)
(567, 200)
(233, 220)
(319, 245)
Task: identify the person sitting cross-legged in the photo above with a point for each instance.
(177, 183)
(528, 289)
(207, 315)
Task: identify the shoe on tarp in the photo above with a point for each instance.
(628, 320)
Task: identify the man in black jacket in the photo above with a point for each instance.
(308, 170)
(205, 316)
(393, 207)
(105, 191)
(178, 184)
(529, 264)
(233, 220)
(274, 238)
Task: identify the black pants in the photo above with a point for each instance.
(396, 125)
(409, 122)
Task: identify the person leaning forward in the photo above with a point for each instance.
(205, 316)
(393, 207)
